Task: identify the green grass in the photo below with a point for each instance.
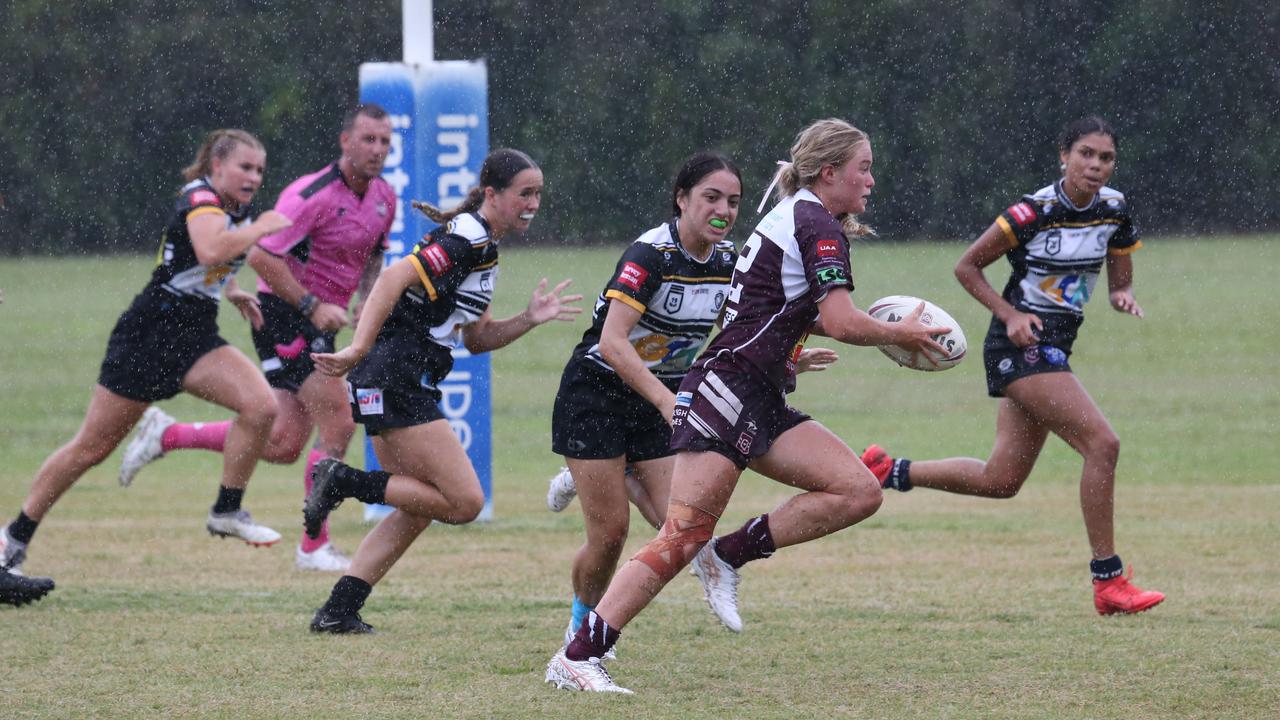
(938, 607)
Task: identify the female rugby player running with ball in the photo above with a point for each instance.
(792, 278)
(418, 309)
(1057, 240)
(167, 342)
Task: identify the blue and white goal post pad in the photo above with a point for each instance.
(440, 136)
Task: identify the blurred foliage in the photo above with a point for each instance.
(103, 101)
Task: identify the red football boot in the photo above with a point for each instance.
(878, 462)
(1118, 595)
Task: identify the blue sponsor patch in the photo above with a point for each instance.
(1052, 355)
(684, 398)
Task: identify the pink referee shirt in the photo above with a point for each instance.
(333, 233)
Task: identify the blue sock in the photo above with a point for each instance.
(580, 610)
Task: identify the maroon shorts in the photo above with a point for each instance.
(731, 412)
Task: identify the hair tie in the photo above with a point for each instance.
(782, 165)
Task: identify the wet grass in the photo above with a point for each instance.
(937, 607)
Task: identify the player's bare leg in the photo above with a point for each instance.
(1019, 440)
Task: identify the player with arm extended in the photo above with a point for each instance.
(792, 277)
(1057, 240)
(167, 342)
(417, 311)
(307, 275)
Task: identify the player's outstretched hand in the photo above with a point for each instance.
(337, 364)
(248, 306)
(547, 306)
(815, 359)
(1123, 301)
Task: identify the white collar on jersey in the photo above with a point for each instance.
(1066, 199)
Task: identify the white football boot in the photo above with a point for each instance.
(12, 552)
(587, 675)
(561, 490)
(325, 558)
(719, 585)
(145, 446)
(239, 524)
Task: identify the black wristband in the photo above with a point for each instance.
(308, 304)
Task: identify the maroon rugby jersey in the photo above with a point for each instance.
(794, 257)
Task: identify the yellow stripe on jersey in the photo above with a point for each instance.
(205, 210)
(619, 295)
(1091, 223)
(1008, 231)
(422, 275)
(1124, 250)
(485, 266)
(696, 280)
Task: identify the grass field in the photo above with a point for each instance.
(937, 607)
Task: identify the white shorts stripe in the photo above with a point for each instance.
(720, 404)
(701, 426)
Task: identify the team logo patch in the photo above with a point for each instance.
(684, 399)
(1022, 213)
(744, 443)
(437, 259)
(718, 300)
(828, 248)
(675, 299)
(1031, 355)
(369, 400)
(205, 197)
(1005, 366)
(632, 275)
(1054, 356)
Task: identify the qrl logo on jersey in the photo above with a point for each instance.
(632, 275)
(1022, 214)
(369, 400)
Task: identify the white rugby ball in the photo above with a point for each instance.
(896, 307)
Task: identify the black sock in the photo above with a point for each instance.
(228, 500)
(23, 528)
(900, 476)
(1106, 568)
(593, 639)
(367, 486)
(348, 595)
(752, 541)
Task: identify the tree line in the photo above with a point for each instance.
(102, 102)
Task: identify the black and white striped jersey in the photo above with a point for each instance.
(679, 298)
(1058, 249)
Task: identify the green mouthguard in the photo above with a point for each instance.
(718, 224)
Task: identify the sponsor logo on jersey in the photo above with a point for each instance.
(828, 248)
(1054, 356)
(205, 197)
(1005, 366)
(632, 275)
(369, 400)
(832, 275)
(675, 299)
(1022, 213)
(684, 399)
(437, 259)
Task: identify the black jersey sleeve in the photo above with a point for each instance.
(1020, 222)
(1125, 239)
(199, 200)
(443, 261)
(637, 277)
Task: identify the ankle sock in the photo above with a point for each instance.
(900, 476)
(23, 528)
(752, 541)
(594, 638)
(348, 595)
(228, 500)
(1106, 568)
(367, 486)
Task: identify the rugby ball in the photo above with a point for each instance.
(895, 307)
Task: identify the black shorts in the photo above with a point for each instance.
(732, 412)
(156, 342)
(1006, 362)
(598, 416)
(285, 343)
(386, 390)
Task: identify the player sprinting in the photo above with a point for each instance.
(792, 277)
(1057, 240)
(307, 274)
(418, 310)
(167, 342)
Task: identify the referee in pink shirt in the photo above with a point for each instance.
(308, 273)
